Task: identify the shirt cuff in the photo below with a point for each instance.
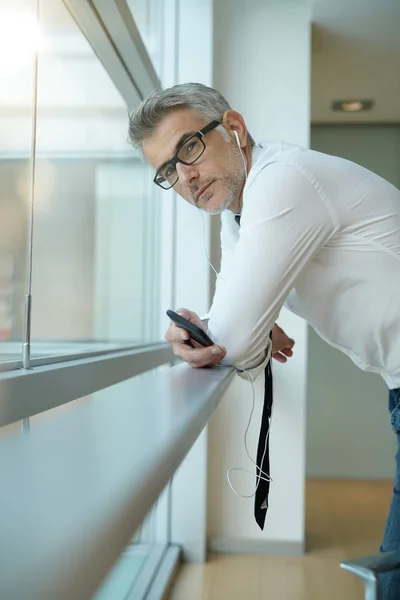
(252, 372)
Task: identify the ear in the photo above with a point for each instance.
(233, 121)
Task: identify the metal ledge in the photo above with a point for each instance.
(77, 487)
(24, 393)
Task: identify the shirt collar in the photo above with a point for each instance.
(256, 152)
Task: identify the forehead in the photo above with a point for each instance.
(161, 146)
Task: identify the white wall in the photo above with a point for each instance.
(262, 66)
(348, 431)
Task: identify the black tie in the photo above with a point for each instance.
(261, 496)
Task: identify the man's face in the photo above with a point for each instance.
(215, 180)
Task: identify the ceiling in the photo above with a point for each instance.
(356, 55)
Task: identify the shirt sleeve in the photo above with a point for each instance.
(286, 220)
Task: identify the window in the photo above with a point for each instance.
(80, 209)
(18, 37)
(149, 18)
(95, 249)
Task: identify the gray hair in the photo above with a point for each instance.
(203, 100)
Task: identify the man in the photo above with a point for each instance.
(314, 232)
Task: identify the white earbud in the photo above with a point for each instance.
(237, 139)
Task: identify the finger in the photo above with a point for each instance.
(202, 357)
(184, 312)
(287, 352)
(199, 357)
(190, 316)
(279, 357)
(176, 334)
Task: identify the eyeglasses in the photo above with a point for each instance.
(188, 152)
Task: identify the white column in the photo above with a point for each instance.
(193, 39)
(262, 66)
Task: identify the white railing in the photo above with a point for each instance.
(77, 487)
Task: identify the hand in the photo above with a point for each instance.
(281, 345)
(195, 355)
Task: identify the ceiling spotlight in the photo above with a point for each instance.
(352, 105)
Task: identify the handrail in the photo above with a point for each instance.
(78, 349)
(77, 487)
(28, 392)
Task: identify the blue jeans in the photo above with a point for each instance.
(390, 582)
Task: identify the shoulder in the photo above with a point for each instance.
(283, 178)
(274, 153)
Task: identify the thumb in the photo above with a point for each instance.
(184, 312)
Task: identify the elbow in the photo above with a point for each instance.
(247, 346)
(236, 354)
(244, 354)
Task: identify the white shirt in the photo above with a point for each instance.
(322, 235)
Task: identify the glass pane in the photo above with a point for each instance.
(139, 561)
(148, 16)
(95, 217)
(19, 37)
(122, 577)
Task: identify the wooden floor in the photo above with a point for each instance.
(345, 519)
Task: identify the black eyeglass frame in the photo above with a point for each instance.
(174, 160)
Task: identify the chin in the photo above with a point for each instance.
(216, 206)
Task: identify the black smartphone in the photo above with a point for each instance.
(196, 334)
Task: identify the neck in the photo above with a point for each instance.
(236, 206)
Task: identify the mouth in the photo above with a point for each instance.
(202, 190)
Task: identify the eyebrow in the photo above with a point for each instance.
(180, 141)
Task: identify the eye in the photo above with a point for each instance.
(192, 147)
(169, 171)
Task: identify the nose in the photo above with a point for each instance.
(187, 173)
